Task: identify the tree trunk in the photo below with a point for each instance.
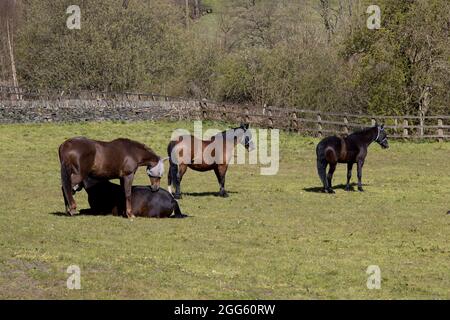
(187, 13)
(196, 9)
(11, 54)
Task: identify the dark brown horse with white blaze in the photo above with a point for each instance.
(349, 150)
(205, 155)
(82, 158)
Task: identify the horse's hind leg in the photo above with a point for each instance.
(220, 172)
(330, 177)
(179, 176)
(66, 203)
(360, 166)
(322, 171)
(349, 176)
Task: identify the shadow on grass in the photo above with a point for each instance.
(205, 194)
(89, 212)
(339, 186)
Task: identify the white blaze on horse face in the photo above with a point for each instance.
(274, 158)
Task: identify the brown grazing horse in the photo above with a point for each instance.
(105, 198)
(206, 155)
(81, 158)
(349, 150)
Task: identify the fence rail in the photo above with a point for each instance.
(316, 123)
(319, 123)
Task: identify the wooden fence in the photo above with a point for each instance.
(308, 122)
(317, 123)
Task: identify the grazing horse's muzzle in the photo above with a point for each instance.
(384, 144)
(155, 173)
(155, 184)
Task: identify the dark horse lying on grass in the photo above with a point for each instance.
(105, 198)
(206, 155)
(350, 150)
(81, 158)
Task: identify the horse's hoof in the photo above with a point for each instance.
(177, 196)
(224, 195)
(331, 191)
(348, 189)
(72, 212)
(360, 189)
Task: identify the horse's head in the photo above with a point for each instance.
(247, 138)
(381, 138)
(155, 173)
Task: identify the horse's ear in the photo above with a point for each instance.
(382, 126)
(245, 126)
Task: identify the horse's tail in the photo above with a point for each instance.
(177, 210)
(322, 164)
(66, 172)
(173, 170)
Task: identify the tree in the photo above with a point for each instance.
(9, 14)
(404, 67)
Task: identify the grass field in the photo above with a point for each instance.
(272, 239)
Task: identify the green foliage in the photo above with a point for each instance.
(115, 49)
(405, 60)
(309, 54)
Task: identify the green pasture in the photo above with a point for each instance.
(273, 238)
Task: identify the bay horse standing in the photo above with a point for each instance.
(349, 150)
(82, 158)
(205, 155)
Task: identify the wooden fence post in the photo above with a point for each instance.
(294, 122)
(374, 122)
(440, 131)
(422, 120)
(246, 117)
(204, 111)
(405, 129)
(345, 125)
(396, 126)
(319, 125)
(224, 112)
(270, 119)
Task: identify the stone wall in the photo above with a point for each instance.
(38, 111)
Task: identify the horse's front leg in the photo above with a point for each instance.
(349, 176)
(360, 166)
(220, 172)
(127, 183)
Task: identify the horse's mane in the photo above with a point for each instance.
(139, 145)
(224, 133)
(362, 131)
